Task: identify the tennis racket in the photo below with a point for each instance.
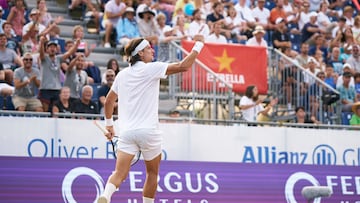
(114, 143)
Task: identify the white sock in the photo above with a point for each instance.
(109, 190)
(148, 200)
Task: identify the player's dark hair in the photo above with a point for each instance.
(130, 47)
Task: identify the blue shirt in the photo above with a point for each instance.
(127, 28)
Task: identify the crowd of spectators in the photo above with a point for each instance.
(319, 35)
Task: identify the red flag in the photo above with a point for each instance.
(239, 65)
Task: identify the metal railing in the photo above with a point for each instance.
(200, 90)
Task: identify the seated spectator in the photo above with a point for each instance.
(303, 58)
(105, 88)
(258, 38)
(355, 118)
(112, 64)
(319, 45)
(357, 85)
(63, 105)
(336, 61)
(251, 104)
(312, 71)
(147, 26)
(76, 78)
(348, 15)
(12, 42)
(84, 104)
(236, 25)
(280, 36)
(301, 116)
(216, 36)
(114, 9)
(198, 28)
(127, 27)
(181, 29)
(346, 69)
(310, 29)
(356, 29)
(261, 14)
(347, 93)
(26, 81)
(354, 59)
(9, 59)
(5, 89)
(34, 17)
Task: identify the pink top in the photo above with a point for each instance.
(17, 21)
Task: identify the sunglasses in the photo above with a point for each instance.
(110, 75)
(27, 59)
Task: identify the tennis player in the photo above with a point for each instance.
(137, 90)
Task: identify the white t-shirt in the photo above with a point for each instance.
(263, 15)
(113, 8)
(138, 89)
(323, 19)
(214, 39)
(250, 114)
(245, 13)
(304, 18)
(198, 28)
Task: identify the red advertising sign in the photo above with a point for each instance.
(237, 64)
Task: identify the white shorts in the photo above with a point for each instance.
(148, 141)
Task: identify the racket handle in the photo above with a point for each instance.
(102, 128)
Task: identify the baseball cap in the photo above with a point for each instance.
(51, 43)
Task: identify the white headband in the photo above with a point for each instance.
(140, 47)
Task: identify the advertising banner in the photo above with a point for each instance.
(237, 64)
(70, 138)
(44, 180)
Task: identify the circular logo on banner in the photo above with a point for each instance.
(293, 179)
(72, 175)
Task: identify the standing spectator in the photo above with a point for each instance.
(26, 81)
(347, 93)
(105, 88)
(197, 27)
(147, 26)
(330, 76)
(216, 36)
(114, 9)
(354, 59)
(281, 37)
(45, 17)
(51, 71)
(17, 18)
(112, 64)
(76, 78)
(84, 104)
(35, 17)
(63, 104)
(78, 33)
(127, 27)
(258, 38)
(312, 71)
(251, 104)
(9, 59)
(355, 118)
(5, 89)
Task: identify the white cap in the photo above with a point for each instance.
(347, 65)
(311, 59)
(313, 14)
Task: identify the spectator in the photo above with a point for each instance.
(216, 36)
(5, 89)
(12, 42)
(35, 17)
(336, 61)
(17, 18)
(312, 71)
(78, 33)
(147, 26)
(301, 116)
(112, 64)
(313, 93)
(216, 15)
(348, 15)
(45, 17)
(277, 12)
(251, 104)
(197, 27)
(304, 15)
(318, 56)
(114, 9)
(9, 59)
(2, 21)
(76, 78)
(339, 29)
(323, 19)
(261, 14)
(146, 4)
(281, 37)
(26, 81)
(63, 104)
(66, 62)
(356, 29)
(236, 25)
(180, 28)
(347, 93)
(345, 69)
(357, 85)
(310, 29)
(30, 41)
(354, 59)
(105, 88)
(84, 104)
(355, 118)
(303, 58)
(258, 38)
(330, 76)
(245, 13)
(127, 27)
(93, 72)
(319, 45)
(51, 71)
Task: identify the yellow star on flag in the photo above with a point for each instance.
(225, 61)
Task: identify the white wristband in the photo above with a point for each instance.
(198, 46)
(109, 122)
